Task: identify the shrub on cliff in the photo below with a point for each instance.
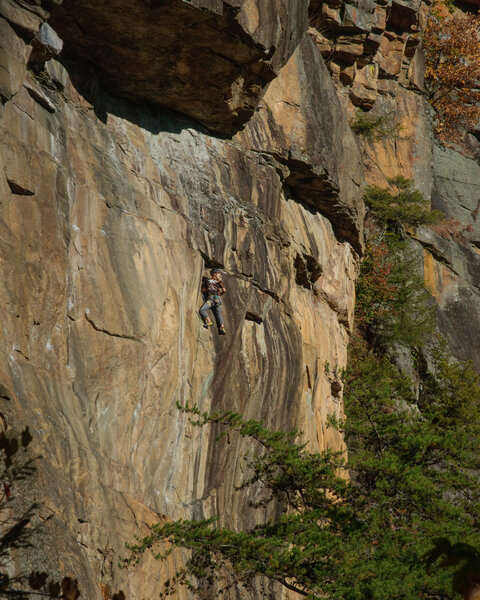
(374, 127)
(392, 306)
(399, 205)
(303, 549)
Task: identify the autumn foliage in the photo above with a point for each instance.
(452, 229)
(375, 290)
(452, 74)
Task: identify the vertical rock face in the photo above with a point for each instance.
(449, 251)
(293, 126)
(449, 177)
(451, 254)
(111, 210)
(114, 203)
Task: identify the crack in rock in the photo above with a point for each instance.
(110, 333)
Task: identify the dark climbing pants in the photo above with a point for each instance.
(215, 304)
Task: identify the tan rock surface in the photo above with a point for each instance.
(14, 55)
(451, 259)
(408, 148)
(378, 35)
(110, 213)
(317, 147)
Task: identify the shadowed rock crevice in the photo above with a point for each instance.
(307, 270)
(249, 316)
(211, 263)
(19, 189)
(111, 333)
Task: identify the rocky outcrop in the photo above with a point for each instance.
(371, 46)
(25, 37)
(209, 59)
(111, 210)
(116, 198)
(374, 54)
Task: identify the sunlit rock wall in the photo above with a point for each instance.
(111, 212)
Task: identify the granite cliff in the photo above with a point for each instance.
(122, 182)
(143, 143)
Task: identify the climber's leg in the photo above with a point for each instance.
(217, 312)
(204, 313)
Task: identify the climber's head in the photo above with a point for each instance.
(215, 273)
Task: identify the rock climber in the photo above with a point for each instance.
(212, 289)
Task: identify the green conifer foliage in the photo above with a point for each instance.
(413, 467)
(399, 206)
(392, 306)
(375, 127)
(415, 463)
(302, 549)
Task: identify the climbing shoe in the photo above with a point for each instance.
(208, 324)
(222, 331)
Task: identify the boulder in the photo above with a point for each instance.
(416, 70)
(349, 49)
(363, 92)
(390, 54)
(36, 92)
(25, 17)
(379, 20)
(45, 45)
(330, 16)
(20, 23)
(404, 14)
(358, 18)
